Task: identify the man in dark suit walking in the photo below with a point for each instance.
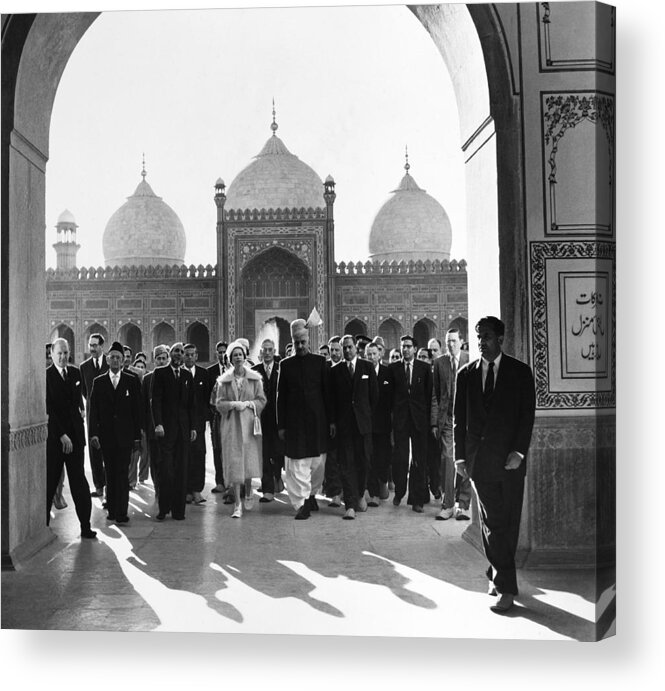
(445, 373)
(172, 403)
(160, 356)
(66, 436)
(494, 414)
(214, 372)
(273, 449)
(379, 467)
(354, 392)
(196, 468)
(412, 404)
(115, 428)
(92, 367)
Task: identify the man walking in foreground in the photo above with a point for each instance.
(494, 413)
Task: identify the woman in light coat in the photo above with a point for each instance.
(239, 399)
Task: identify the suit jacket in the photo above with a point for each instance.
(214, 371)
(269, 414)
(303, 405)
(201, 411)
(146, 399)
(173, 401)
(64, 405)
(485, 437)
(353, 400)
(381, 417)
(116, 414)
(88, 374)
(416, 402)
(443, 389)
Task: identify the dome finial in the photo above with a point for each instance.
(143, 173)
(274, 125)
(406, 154)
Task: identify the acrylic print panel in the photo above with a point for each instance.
(201, 109)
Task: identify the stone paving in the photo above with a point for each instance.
(391, 572)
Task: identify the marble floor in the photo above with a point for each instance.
(391, 572)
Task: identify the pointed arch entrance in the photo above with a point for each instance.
(277, 285)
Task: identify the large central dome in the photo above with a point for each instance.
(145, 230)
(412, 225)
(276, 179)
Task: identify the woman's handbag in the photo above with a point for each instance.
(257, 422)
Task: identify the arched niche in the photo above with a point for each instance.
(391, 331)
(163, 334)
(198, 335)
(355, 327)
(423, 330)
(130, 334)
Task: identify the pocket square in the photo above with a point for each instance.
(78, 383)
(127, 393)
(365, 376)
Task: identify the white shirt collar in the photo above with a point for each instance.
(497, 363)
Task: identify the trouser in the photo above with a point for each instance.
(97, 466)
(153, 445)
(216, 439)
(273, 462)
(500, 505)
(172, 474)
(353, 453)
(416, 470)
(116, 463)
(303, 477)
(379, 466)
(139, 463)
(433, 479)
(196, 467)
(56, 460)
(454, 486)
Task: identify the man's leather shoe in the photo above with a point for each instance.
(362, 504)
(160, 516)
(99, 492)
(396, 501)
(335, 502)
(503, 604)
(218, 489)
(110, 517)
(303, 512)
(417, 508)
(445, 514)
(279, 485)
(188, 499)
(462, 515)
(313, 505)
(122, 519)
(383, 490)
(373, 501)
(491, 589)
(267, 497)
(59, 502)
(349, 515)
(88, 533)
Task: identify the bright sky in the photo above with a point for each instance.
(193, 90)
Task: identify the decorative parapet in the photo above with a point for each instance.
(375, 268)
(273, 215)
(131, 272)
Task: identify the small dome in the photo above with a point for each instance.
(276, 179)
(66, 217)
(412, 225)
(144, 231)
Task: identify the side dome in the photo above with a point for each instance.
(144, 231)
(412, 225)
(276, 179)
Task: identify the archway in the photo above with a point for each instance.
(355, 327)
(274, 282)
(130, 334)
(198, 335)
(423, 330)
(163, 333)
(66, 332)
(390, 330)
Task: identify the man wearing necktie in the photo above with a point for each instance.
(196, 467)
(172, 412)
(272, 447)
(494, 410)
(116, 416)
(93, 367)
(412, 408)
(445, 373)
(354, 392)
(66, 436)
(214, 372)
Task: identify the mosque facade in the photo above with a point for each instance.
(275, 262)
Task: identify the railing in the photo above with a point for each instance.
(275, 214)
(131, 272)
(375, 268)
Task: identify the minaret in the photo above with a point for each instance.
(329, 196)
(66, 247)
(222, 293)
